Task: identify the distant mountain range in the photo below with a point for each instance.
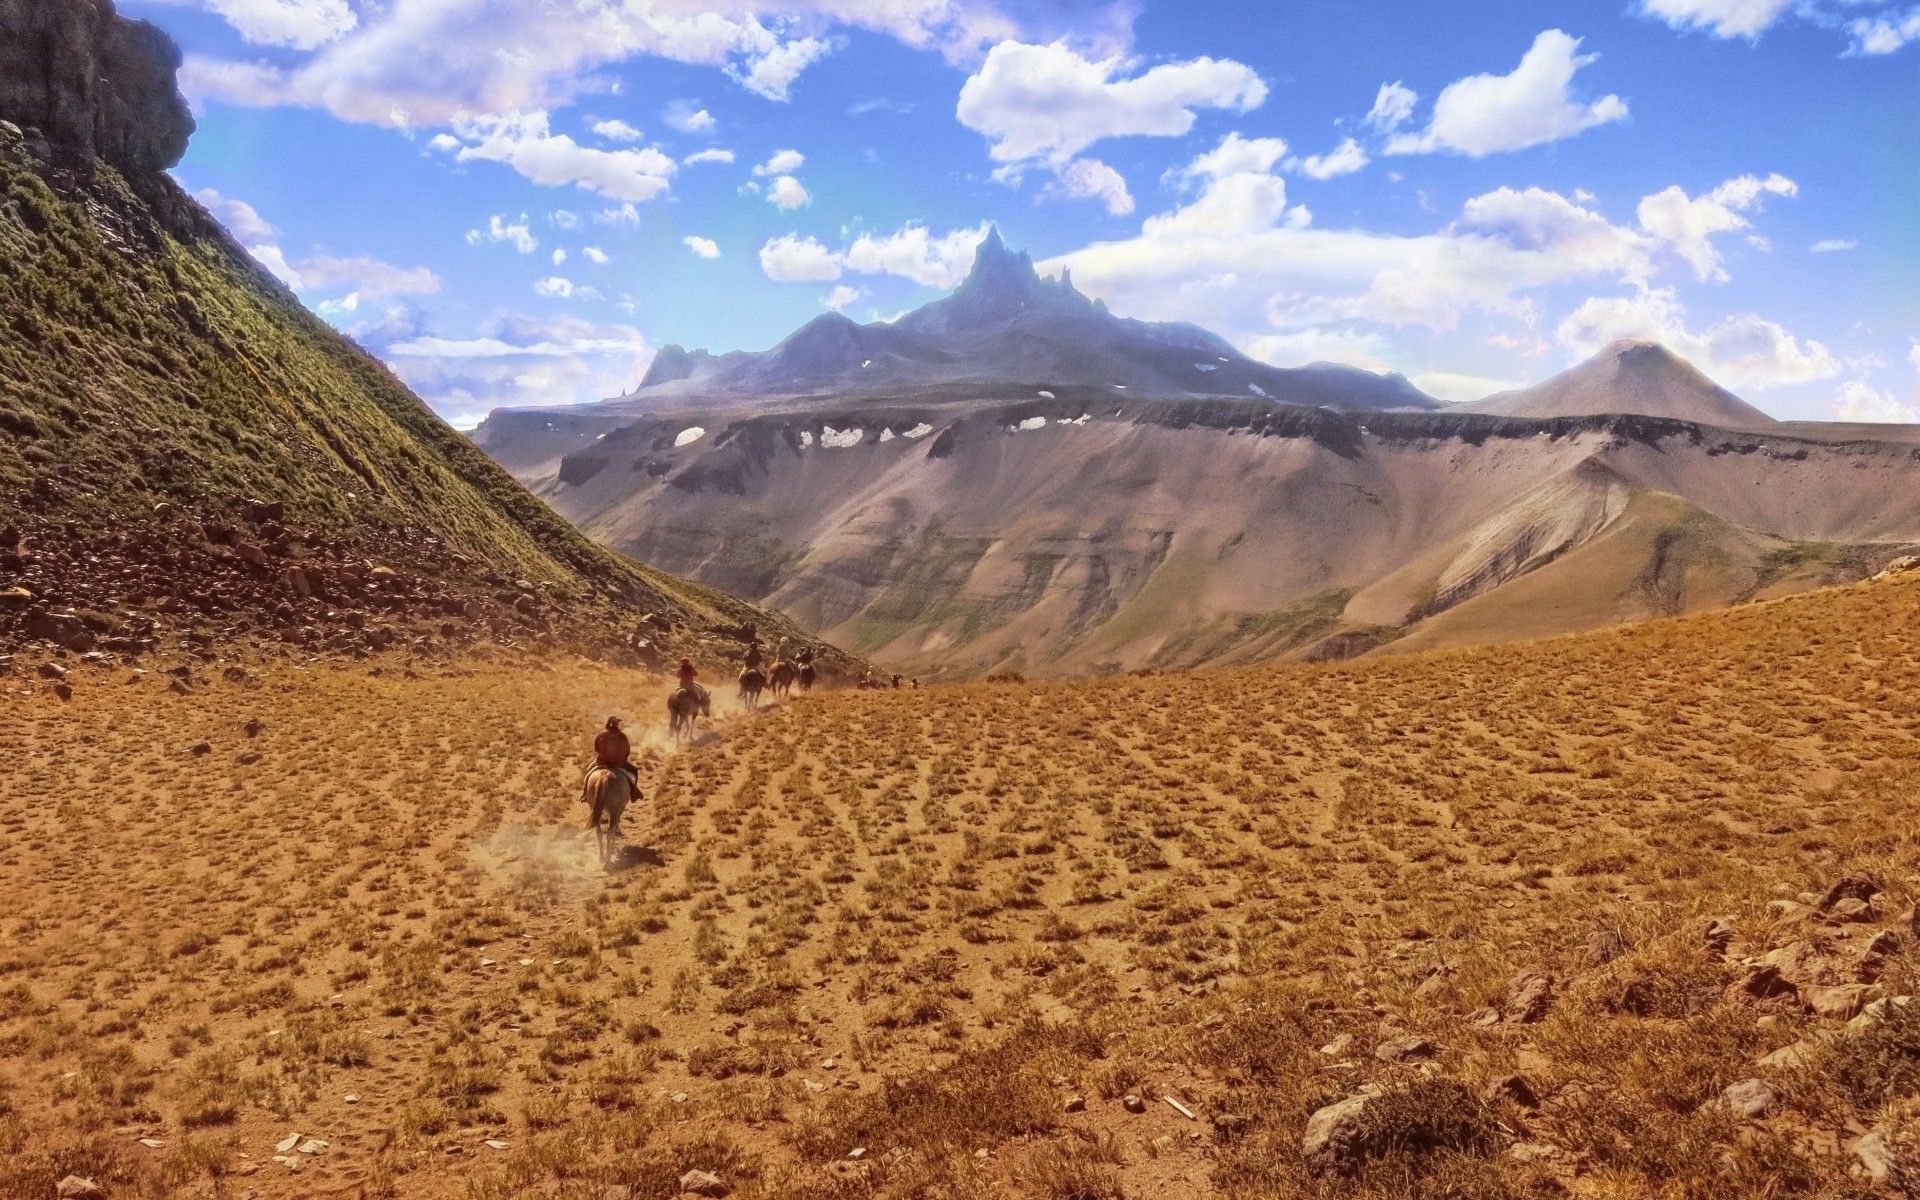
(1013, 478)
(1007, 326)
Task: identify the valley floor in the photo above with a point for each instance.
(932, 943)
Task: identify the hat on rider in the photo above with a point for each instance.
(613, 722)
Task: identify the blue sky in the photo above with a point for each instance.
(516, 202)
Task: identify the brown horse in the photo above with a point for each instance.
(806, 677)
(752, 682)
(684, 709)
(782, 679)
(607, 793)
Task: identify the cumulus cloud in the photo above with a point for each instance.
(270, 257)
(1392, 106)
(1049, 103)
(1721, 18)
(688, 117)
(708, 156)
(1688, 224)
(1344, 159)
(1883, 34)
(915, 253)
(554, 286)
(516, 233)
(1235, 155)
(509, 361)
(616, 130)
(596, 255)
(1091, 179)
(1741, 352)
(298, 24)
(791, 258)
(369, 278)
(524, 141)
(1494, 114)
(1366, 350)
(788, 192)
(1858, 401)
(237, 215)
(772, 72)
(783, 162)
(704, 247)
(841, 296)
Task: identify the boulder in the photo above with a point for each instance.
(1751, 1097)
(1840, 1003)
(1408, 1047)
(1878, 1157)
(74, 1187)
(1851, 887)
(1333, 1143)
(96, 85)
(1604, 946)
(703, 1183)
(1529, 996)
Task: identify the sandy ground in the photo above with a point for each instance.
(919, 925)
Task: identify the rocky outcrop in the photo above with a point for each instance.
(92, 84)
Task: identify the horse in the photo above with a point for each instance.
(806, 677)
(782, 679)
(752, 681)
(684, 709)
(608, 792)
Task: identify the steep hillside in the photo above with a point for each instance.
(176, 428)
(1644, 378)
(1078, 534)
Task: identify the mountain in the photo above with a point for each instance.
(1005, 326)
(1638, 377)
(183, 445)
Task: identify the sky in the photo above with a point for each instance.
(516, 202)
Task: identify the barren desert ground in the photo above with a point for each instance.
(1533, 910)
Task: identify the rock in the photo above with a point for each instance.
(1405, 1048)
(1835, 1003)
(179, 686)
(51, 670)
(254, 727)
(1761, 983)
(95, 84)
(1484, 1017)
(1076, 1104)
(1805, 965)
(250, 553)
(703, 1183)
(1852, 887)
(1718, 936)
(1877, 1011)
(73, 1187)
(1788, 1057)
(1529, 996)
(201, 749)
(1230, 1126)
(1332, 1143)
(286, 1144)
(63, 690)
(260, 511)
(1133, 1104)
(1533, 1152)
(1751, 1097)
(1603, 947)
(1338, 1046)
(1515, 1088)
(1877, 1156)
(616, 1191)
(1850, 911)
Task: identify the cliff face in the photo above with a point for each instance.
(92, 84)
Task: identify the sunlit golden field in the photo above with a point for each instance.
(929, 943)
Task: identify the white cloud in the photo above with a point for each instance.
(616, 131)
(269, 256)
(1235, 155)
(787, 192)
(841, 296)
(369, 278)
(559, 255)
(1368, 351)
(499, 229)
(1721, 18)
(1859, 402)
(554, 285)
(1047, 102)
(1830, 245)
(237, 215)
(564, 219)
(299, 24)
(688, 118)
(626, 215)
(1345, 159)
(772, 72)
(510, 361)
(1493, 114)
(524, 142)
(1456, 388)
(783, 162)
(708, 156)
(1744, 351)
(791, 258)
(1688, 224)
(1884, 34)
(596, 255)
(704, 247)
(1091, 179)
(1392, 106)
(914, 253)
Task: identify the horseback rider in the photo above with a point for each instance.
(753, 659)
(688, 673)
(612, 750)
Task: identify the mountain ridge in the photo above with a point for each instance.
(1634, 376)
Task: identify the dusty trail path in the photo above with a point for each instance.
(951, 929)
